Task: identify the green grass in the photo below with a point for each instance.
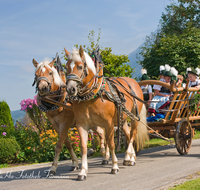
(3, 165)
(197, 135)
(189, 185)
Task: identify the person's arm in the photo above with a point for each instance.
(198, 87)
(157, 93)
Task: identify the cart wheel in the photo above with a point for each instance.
(183, 137)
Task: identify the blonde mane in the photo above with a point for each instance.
(74, 56)
(57, 79)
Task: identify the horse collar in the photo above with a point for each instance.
(46, 107)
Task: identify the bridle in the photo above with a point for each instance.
(75, 77)
(37, 81)
(79, 80)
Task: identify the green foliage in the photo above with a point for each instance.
(5, 117)
(195, 103)
(179, 51)
(180, 16)
(9, 149)
(116, 65)
(177, 42)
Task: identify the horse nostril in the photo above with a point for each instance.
(72, 90)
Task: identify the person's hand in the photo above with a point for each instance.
(149, 102)
(198, 87)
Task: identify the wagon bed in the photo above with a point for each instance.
(179, 122)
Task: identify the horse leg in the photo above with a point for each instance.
(104, 152)
(128, 151)
(106, 155)
(72, 153)
(111, 144)
(139, 134)
(84, 138)
(58, 149)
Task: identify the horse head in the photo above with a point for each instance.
(47, 78)
(80, 71)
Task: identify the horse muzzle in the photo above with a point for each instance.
(43, 91)
(72, 88)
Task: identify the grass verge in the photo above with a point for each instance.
(189, 185)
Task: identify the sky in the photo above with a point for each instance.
(40, 28)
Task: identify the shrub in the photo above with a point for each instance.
(6, 118)
(9, 148)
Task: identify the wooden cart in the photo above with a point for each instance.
(179, 122)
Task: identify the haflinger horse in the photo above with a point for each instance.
(50, 82)
(84, 83)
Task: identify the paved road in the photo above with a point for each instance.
(156, 168)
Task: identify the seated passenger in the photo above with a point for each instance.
(146, 89)
(162, 72)
(174, 74)
(186, 77)
(193, 78)
(180, 81)
(162, 94)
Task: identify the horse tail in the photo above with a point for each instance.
(142, 132)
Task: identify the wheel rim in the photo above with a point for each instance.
(183, 137)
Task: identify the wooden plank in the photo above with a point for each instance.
(178, 105)
(171, 105)
(57, 103)
(157, 82)
(185, 111)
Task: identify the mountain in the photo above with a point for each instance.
(134, 57)
(18, 115)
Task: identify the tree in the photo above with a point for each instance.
(116, 65)
(177, 41)
(181, 16)
(178, 51)
(5, 117)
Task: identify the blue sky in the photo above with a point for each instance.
(40, 28)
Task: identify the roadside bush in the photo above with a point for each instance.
(9, 148)
(6, 118)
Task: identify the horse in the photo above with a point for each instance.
(50, 81)
(93, 108)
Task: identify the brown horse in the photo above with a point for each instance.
(83, 84)
(49, 83)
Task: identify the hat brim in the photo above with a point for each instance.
(192, 72)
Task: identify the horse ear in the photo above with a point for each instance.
(35, 63)
(81, 52)
(66, 53)
(52, 63)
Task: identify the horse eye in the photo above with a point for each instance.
(80, 67)
(50, 73)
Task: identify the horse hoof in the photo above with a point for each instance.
(74, 168)
(114, 171)
(126, 162)
(105, 162)
(81, 178)
(132, 163)
(51, 173)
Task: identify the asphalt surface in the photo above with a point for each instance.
(156, 168)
